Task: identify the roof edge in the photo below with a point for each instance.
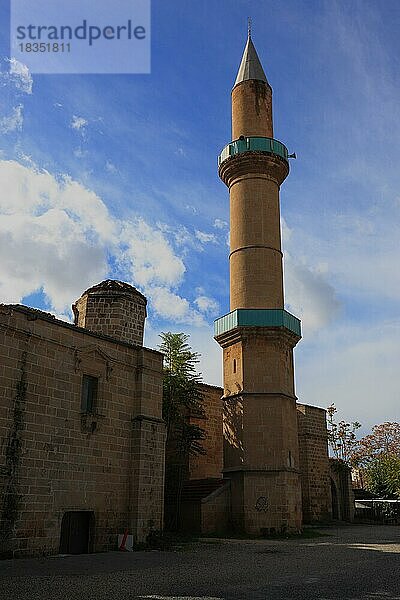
(44, 316)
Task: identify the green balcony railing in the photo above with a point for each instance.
(254, 144)
(257, 317)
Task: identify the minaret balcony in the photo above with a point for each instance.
(254, 144)
(257, 317)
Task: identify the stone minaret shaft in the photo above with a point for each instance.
(258, 335)
(256, 279)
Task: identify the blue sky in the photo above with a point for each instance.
(115, 176)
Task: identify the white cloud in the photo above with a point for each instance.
(181, 236)
(187, 240)
(58, 236)
(148, 256)
(110, 167)
(354, 366)
(286, 232)
(26, 159)
(206, 238)
(357, 254)
(20, 76)
(219, 224)
(309, 296)
(78, 123)
(17, 77)
(51, 236)
(207, 305)
(12, 122)
(173, 307)
(308, 292)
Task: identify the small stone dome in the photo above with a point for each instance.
(113, 308)
(113, 285)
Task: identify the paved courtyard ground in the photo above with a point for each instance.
(351, 563)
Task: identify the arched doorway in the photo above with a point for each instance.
(77, 532)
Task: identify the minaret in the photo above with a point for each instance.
(261, 455)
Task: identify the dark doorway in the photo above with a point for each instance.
(335, 503)
(76, 527)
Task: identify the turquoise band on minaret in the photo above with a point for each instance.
(254, 144)
(257, 317)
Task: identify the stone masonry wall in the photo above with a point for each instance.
(252, 109)
(216, 511)
(55, 458)
(209, 465)
(314, 464)
(343, 506)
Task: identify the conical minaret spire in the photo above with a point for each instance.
(251, 97)
(250, 66)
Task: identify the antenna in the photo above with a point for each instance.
(249, 27)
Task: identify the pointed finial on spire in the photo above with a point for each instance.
(250, 67)
(249, 27)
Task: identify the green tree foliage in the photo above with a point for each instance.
(342, 438)
(181, 391)
(382, 476)
(378, 455)
(182, 399)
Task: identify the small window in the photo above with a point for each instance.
(234, 365)
(89, 393)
